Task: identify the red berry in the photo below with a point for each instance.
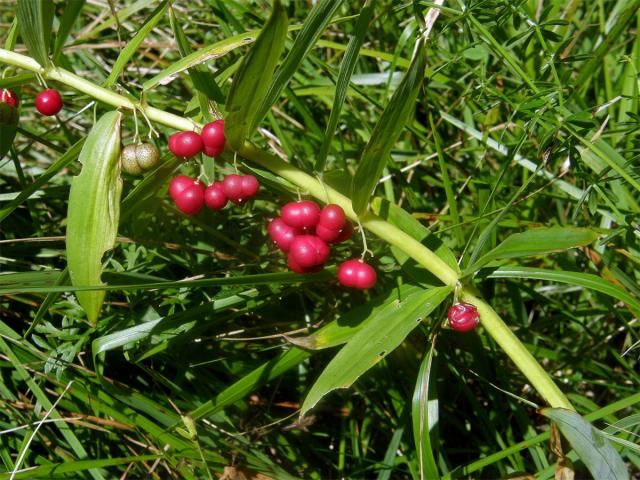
(191, 199)
(296, 267)
(282, 234)
(304, 214)
(9, 97)
(185, 144)
(327, 234)
(332, 217)
(214, 196)
(463, 317)
(213, 138)
(345, 233)
(356, 274)
(240, 188)
(178, 184)
(49, 102)
(309, 251)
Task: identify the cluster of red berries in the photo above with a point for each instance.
(463, 317)
(48, 102)
(190, 194)
(304, 233)
(210, 141)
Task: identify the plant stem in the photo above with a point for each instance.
(391, 234)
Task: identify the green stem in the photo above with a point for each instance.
(391, 234)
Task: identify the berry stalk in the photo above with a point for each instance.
(492, 322)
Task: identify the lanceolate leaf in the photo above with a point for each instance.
(538, 241)
(342, 85)
(8, 127)
(385, 134)
(313, 27)
(94, 210)
(373, 342)
(35, 18)
(252, 79)
(591, 445)
(132, 46)
(71, 12)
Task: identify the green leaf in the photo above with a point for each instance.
(372, 343)
(77, 466)
(537, 241)
(70, 14)
(35, 18)
(94, 210)
(313, 27)
(133, 44)
(9, 118)
(386, 132)
(424, 413)
(69, 156)
(586, 280)
(342, 329)
(591, 445)
(252, 79)
(346, 71)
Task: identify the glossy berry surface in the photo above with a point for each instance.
(282, 234)
(9, 97)
(185, 144)
(296, 267)
(304, 214)
(214, 196)
(191, 200)
(309, 251)
(178, 184)
(213, 138)
(332, 217)
(327, 235)
(463, 317)
(345, 233)
(357, 274)
(49, 102)
(240, 188)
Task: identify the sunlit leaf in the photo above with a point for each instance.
(94, 210)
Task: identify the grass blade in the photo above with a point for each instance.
(386, 132)
(344, 77)
(35, 19)
(71, 12)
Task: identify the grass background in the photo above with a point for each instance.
(544, 81)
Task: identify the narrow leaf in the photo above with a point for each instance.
(8, 127)
(203, 80)
(70, 14)
(424, 412)
(35, 18)
(586, 280)
(538, 241)
(346, 71)
(133, 44)
(591, 445)
(94, 210)
(252, 79)
(313, 27)
(385, 134)
(376, 340)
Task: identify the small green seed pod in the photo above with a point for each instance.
(129, 161)
(147, 155)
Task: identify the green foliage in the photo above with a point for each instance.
(508, 147)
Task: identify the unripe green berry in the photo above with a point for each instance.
(128, 158)
(147, 156)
